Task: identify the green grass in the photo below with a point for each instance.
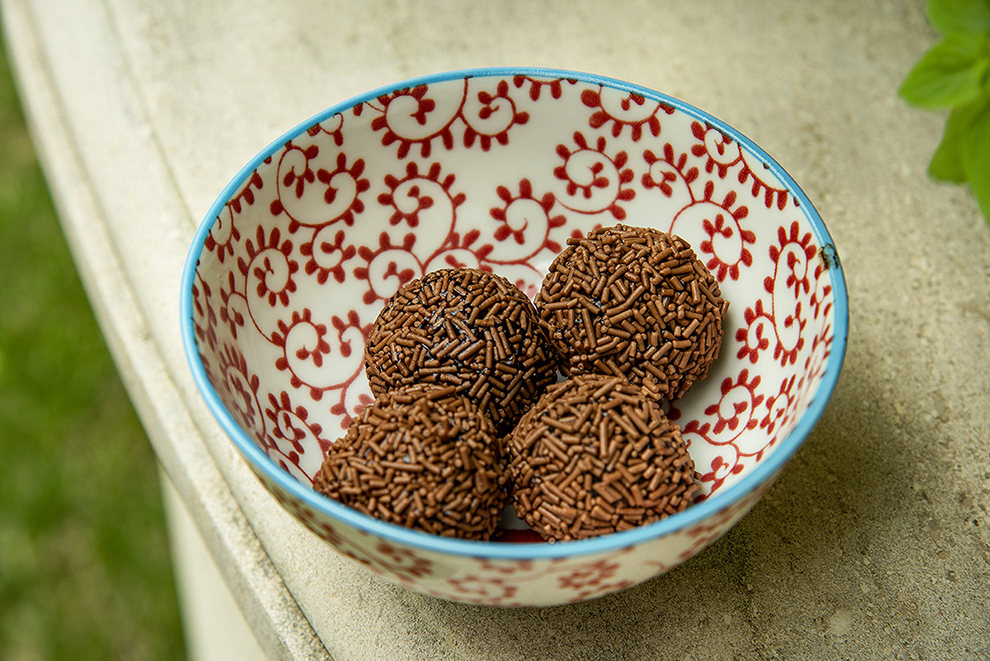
(84, 562)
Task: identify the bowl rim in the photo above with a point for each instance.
(735, 493)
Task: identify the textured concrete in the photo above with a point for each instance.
(212, 625)
(874, 543)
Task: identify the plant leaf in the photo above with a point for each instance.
(951, 73)
(947, 162)
(960, 16)
(976, 156)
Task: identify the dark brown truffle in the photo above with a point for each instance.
(468, 328)
(595, 456)
(420, 457)
(634, 302)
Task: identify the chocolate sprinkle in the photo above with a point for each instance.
(594, 456)
(421, 457)
(467, 328)
(633, 302)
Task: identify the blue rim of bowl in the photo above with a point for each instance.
(726, 498)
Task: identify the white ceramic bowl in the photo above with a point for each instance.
(496, 168)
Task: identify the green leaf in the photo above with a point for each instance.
(953, 72)
(960, 16)
(976, 157)
(947, 162)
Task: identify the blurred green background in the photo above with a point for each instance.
(84, 560)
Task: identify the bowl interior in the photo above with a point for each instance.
(497, 169)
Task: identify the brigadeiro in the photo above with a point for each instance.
(422, 457)
(468, 328)
(634, 302)
(596, 455)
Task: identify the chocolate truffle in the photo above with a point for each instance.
(633, 302)
(421, 457)
(596, 455)
(468, 328)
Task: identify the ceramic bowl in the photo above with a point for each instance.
(496, 169)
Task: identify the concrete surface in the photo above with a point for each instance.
(212, 625)
(874, 543)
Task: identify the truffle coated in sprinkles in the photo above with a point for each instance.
(596, 456)
(422, 457)
(630, 315)
(633, 302)
(468, 328)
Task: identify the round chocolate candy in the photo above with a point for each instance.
(421, 457)
(468, 328)
(634, 302)
(594, 456)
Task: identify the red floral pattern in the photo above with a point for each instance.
(497, 173)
